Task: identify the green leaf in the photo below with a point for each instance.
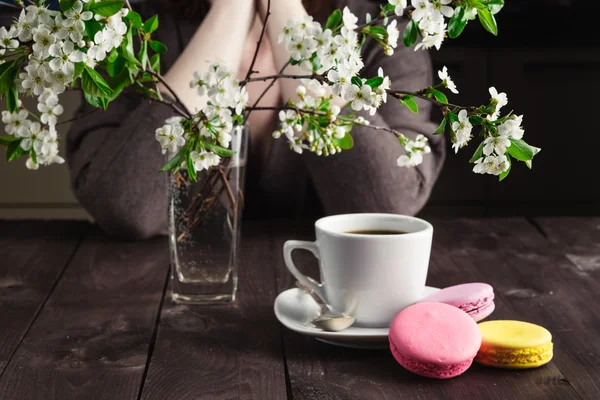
(147, 93)
(190, 167)
(520, 150)
(505, 173)
(378, 32)
(98, 102)
(143, 54)
(116, 67)
(374, 82)
(8, 74)
(118, 83)
(155, 63)
(152, 24)
(488, 21)
(174, 162)
(94, 84)
(12, 100)
(334, 20)
(107, 8)
(409, 37)
(158, 47)
(457, 22)
(345, 143)
(14, 150)
(475, 120)
(356, 81)
(442, 128)
(92, 27)
(135, 19)
(66, 4)
(129, 57)
(112, 56)
(452, 117)
(78, 71)
(6, 140)
(411, 104)
(439, 96)
(218, 150)
(478, 153)
(529, 164)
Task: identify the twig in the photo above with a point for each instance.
(10, 5)
(398, 94)
(282, 76)
(279, 108)
(78, 117)
(260, 39)
(177, 99)
(230, 194)
(266, 90)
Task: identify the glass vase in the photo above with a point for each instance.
(204, 228)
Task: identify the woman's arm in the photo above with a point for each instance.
(112, 155)
(221, 36)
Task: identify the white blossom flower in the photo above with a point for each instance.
(32, 137)
(50, 111)
(462, 129)
(6, 39)
(393, 35)
(58, 80)
(411, 160)
(204, 160)
(241, 100)
(359, 96)
(76, 16)
(442, 7)
(25, 25)
(30, 164)
(16, 123)
(340, 79)
(399, 5)
(422, 8)
(381, 90)
(199, 83)
(448, 82)
(494, 165)
(57, 28)
(43, 40)
(349, 19)
(499, 100)
(431, 41)
(65, 55)
(496, 144)
(512, 127)
(34, 80)
(302, 49)
(170, 137)
(289, 31)
(41, 14)
(224, 138)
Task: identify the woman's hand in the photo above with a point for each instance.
(221, 36)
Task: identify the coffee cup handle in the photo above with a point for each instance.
(288, 248)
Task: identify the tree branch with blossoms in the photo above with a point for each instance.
(104, 48)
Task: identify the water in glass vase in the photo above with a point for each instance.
(204, 229)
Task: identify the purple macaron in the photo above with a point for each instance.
(476, 299)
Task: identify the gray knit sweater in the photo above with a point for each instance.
(114, 159)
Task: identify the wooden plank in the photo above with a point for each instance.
(32, 257)
(224, 352)
(579, 239)
(534, 282)
(321, 371)
(91, 339)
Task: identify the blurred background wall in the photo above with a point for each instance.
(546, 58)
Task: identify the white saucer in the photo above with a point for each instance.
(295, 309)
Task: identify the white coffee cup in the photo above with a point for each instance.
(369, 276)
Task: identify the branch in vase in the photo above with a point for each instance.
(265, 91)
(320, 78)
(260, 39)
(187, 113)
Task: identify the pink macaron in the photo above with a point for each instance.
(435, 340)
(476, 299)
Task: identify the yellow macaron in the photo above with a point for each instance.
(514, 344)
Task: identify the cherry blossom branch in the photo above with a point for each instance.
(260, 39)
(396, 93)
(287, 107)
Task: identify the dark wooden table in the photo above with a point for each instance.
(84, 316)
